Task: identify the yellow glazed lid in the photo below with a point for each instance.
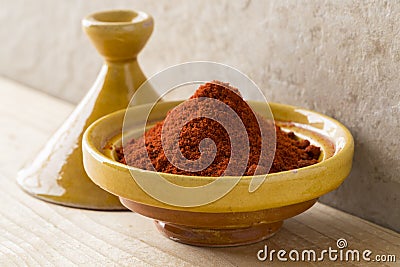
(278, 189)
(56, 174)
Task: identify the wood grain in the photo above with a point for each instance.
(34, 233)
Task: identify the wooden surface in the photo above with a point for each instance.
(33, 232)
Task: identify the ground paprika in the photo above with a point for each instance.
(149, 151)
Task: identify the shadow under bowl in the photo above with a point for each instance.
(239, 217)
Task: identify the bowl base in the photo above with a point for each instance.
(222, 237)
(218, 229)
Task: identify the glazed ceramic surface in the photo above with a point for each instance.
(239, 217)
(57, 174)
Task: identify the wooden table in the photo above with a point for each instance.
(33, 232)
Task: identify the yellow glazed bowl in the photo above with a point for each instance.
(239, 217)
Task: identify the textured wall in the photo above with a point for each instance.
(341, 58)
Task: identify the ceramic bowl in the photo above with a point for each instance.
(239, 217)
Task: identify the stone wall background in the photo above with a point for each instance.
(340, 58)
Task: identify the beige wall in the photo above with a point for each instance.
(341, 58)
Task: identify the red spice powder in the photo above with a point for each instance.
(149, 151)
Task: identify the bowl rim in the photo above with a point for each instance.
(91, 148)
